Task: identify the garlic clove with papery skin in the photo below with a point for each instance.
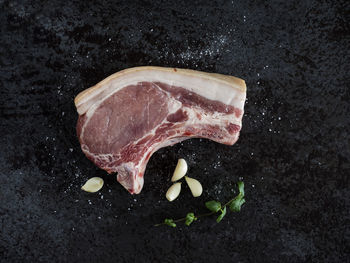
(180, 170)
(195, 186)
(173, 191)
(93, 185)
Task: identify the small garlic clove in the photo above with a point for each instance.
(173, 191)
(195, 186)
(180, 170)
(93, 185)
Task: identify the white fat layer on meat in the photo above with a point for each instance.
(208, 88)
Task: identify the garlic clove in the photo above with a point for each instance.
(180, 170)
(195, 186)
(93, 185)
(173, 191)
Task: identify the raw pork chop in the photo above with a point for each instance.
(128, 116)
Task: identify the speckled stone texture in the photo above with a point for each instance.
(293, 153)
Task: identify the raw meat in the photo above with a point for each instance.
(128, 116)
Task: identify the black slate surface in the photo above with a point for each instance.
(293, 153)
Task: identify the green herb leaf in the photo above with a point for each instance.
(213, 206)
(190, 218)
(241, 187)
(169, 222)
(235, 205)
(238, 201)
(221, 216)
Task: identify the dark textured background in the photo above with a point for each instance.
(293, 153)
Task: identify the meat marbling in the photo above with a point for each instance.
(128, 116)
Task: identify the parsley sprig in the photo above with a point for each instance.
(215, 207)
